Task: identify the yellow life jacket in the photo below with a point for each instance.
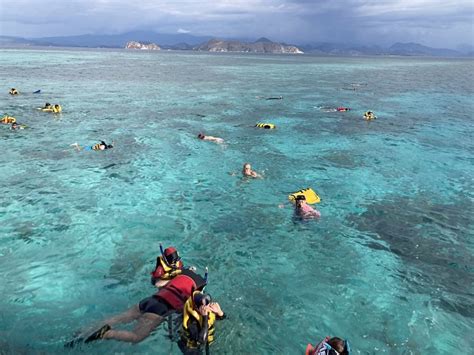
(188, 313)
(265, 125)
(13, 92)
(369, 116)
(8, 119)
(170, 271)
(311, 196)
(96, 146)
(57, 109)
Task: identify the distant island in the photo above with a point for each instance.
(262, 45)
(142, 46)
(186, 41)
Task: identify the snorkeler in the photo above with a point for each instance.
(168, 265)
(329, 346)
(149, 312)
(99, 146)
(210, 138)
(303, 210)
(248, 172)
(199, 317)
(16, 126)
(369, 116)
(270, 97)
(7, 119)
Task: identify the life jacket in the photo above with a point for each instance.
(13, 92)
(163, 271)
(190, 314)
(265, 125)
(180, 288)
(57, 109)
(96, 146)
(8, 119)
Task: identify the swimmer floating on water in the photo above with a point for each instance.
(329, 346)
(16, 126)
(210, 138)
(303, 210)
(199, 317)
(149, 313)
(270, 98)
(99, 146)
(248, 172)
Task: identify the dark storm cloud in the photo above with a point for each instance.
(434, 22)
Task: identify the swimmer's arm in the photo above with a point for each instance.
(77, 146)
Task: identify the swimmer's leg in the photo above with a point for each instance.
(125, 317)
(145, 325)
(77, 146)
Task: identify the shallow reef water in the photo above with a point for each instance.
(388, 266)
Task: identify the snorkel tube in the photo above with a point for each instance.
(163, 255)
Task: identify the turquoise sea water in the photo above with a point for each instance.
(388, 266)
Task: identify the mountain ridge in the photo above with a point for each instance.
(185, 41)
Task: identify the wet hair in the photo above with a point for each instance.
(47, 104)
(300, 198)
(201, 299)
(339, 345)
(201, 136)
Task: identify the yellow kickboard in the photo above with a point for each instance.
(311, 196)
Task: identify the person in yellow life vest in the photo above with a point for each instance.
(13, 91)
(168, 265)
(199, 317)
(7, 119)
(57, 108)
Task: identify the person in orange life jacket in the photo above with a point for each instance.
(168, 265)
(199, 316)
(329, 346)
(149, 312)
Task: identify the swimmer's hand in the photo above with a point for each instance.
(216, 308)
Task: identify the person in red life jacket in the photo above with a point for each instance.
(329, 346)
(342, 109)
(168, 265)
(149, 312)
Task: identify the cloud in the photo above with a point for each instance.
(434, 22)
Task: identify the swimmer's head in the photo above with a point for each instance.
(339, 345)
(247, 166)
(299, 200)
(15, 125)
(201, 136)
(201, 299)
(171, 255)
(47, 104)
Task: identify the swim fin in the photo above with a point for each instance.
(98, 334)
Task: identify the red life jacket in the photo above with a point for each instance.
(179, 289)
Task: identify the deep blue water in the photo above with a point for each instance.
(389, 265)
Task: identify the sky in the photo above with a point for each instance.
(437, 23)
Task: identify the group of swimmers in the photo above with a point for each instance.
(181, 289)
(181, 292)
